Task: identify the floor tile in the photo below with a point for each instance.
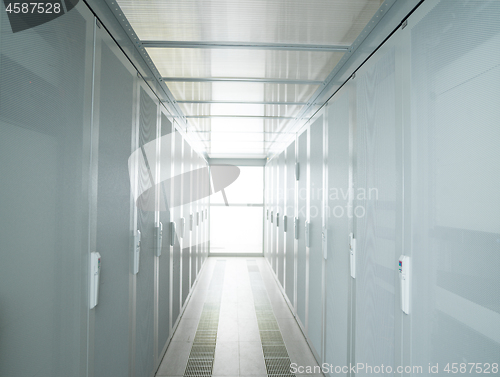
(252, 359)
(193, 310)
(186, 330)
(239, 348)
(248, 330)
(300, 354)
(228, 329)
(226, 362)
(290, 330)
(175, 360)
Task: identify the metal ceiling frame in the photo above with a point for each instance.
(349, 63)
(245, 46)
(270, 117)
(240, 79)
(252, 141)
(238, 161)
(237, 132)
(247, 103)
(371, 37)
(110, 15)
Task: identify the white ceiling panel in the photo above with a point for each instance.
(229, 63)
(225, 60)
(240, 91)
(228, 109)
(279, 21)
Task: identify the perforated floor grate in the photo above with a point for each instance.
(273, 347)
(201, 358)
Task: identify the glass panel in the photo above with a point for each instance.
(246, 189)
(237, 125)
(284, 21)
(239, 109)
(304, 65)
(236, 229)
(239, 226)
(240, 91)
(225, 147)
(239, 154)
(240, 137)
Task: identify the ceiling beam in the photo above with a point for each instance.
(246, 103)
(237, 116)
(238, 132)
(240, 79)
(246, 46)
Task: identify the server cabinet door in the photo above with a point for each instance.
(267, 211)
(274, 211)
(377, 212)
(146, 134)
(315, 288)
(196, 225)
(279, 222)
(301, 219)
(338, 216)
(176, 210)
(113, 119)
(164, 263)
(290, 213)
(187, 215)
(269, 201)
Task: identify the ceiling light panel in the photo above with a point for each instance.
(191, 91)
(225, 147)
(237, 125)
(240, 91)
(228, 63)
(240, 109)
(334, 22)
(239, 137)
(276, 126)
(237, 155)
(199, 124)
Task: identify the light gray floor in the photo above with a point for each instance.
(238, 351)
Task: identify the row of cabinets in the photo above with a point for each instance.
(373, 225)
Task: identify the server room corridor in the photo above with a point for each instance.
(238, 321)
(254, 188)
